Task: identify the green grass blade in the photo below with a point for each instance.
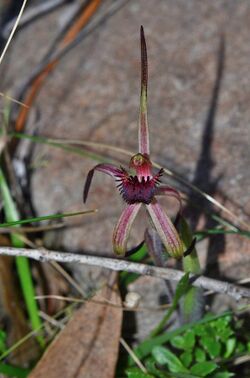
(22, 263)
(66, 147)
(66, 312)
(46, 217)
(213, 231)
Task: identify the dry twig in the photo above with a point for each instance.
(235, 291)
(13, 31)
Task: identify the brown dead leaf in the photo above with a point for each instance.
(88, 346)
(12, 313)
(49, 282)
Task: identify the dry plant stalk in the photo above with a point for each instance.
(217, 286)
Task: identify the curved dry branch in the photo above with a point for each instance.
(235, 291)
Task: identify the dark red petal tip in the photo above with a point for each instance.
(109, 169)
(87, 185)
(144, 61)
(143, 123)
(190, 248)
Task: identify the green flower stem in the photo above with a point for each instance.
(192, 302)
(181, 290)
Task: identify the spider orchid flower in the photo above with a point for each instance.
(141, 186)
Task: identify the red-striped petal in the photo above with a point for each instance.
(166, 230)
(122, 229)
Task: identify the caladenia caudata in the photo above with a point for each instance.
(139, 186)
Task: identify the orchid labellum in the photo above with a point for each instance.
(139, 185)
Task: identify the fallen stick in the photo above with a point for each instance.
(235, 291)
